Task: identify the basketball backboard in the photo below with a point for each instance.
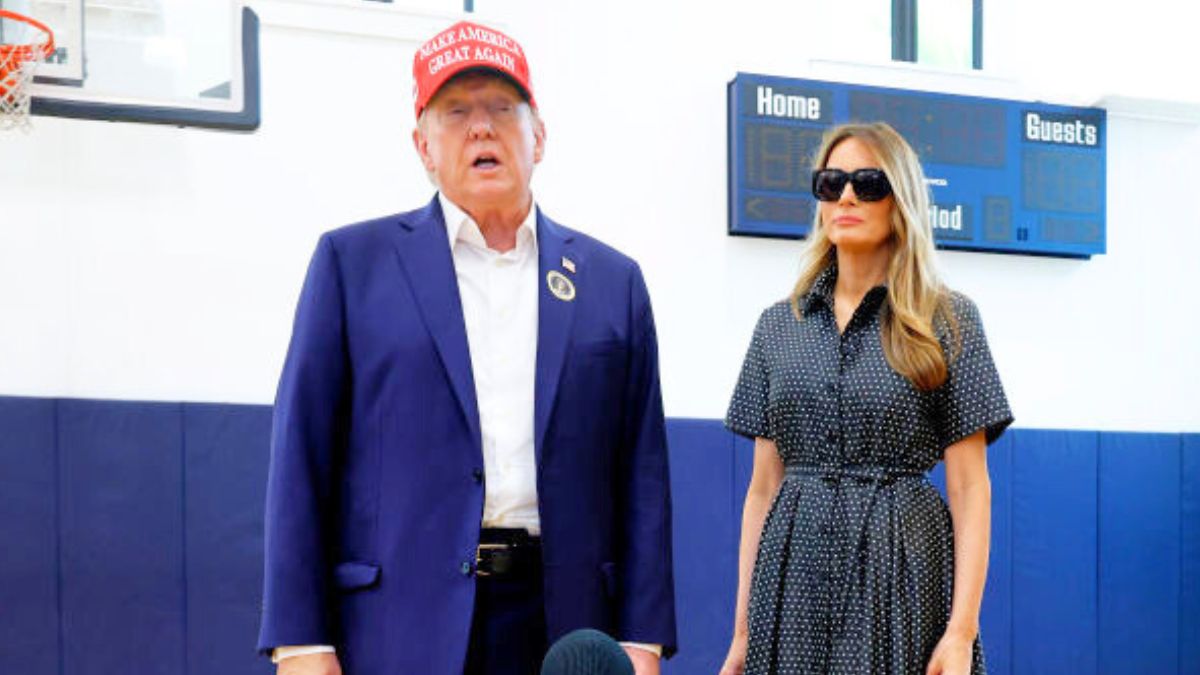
(179, 62)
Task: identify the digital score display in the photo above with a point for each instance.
(1004, 176)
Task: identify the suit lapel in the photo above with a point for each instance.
(425, 257)
(555, 318)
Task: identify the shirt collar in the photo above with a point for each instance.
(821, 291)
(460, 226)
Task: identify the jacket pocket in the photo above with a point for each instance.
(350, 576)
(602, 348)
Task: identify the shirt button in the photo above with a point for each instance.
(466, 569)
(832, 436)
(477, 475)
(832, 387)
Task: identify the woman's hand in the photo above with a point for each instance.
(735, 660)
(952, 656)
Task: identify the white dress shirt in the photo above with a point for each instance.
(499, 294)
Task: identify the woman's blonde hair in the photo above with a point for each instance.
(916, 297)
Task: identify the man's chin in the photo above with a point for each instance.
(492, 193)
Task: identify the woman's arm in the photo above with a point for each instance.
(970, 494)
(764, 483)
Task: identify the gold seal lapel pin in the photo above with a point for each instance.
(560, 285)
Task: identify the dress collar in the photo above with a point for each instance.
(821, 292)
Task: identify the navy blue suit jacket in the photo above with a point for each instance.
(374, 499)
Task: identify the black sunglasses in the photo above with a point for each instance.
(870, 185)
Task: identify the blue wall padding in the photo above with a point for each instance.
(28, 537)
(1139, 554)
(938, 477)
(225, 473)
(702, 461)
(1189, 559)
(1054, 564)
(122, 537)
(132, 537)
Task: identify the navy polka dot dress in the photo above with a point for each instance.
(855, 566)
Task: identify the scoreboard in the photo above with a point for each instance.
(1004, 176)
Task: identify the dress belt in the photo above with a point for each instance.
(877, 478)
(879, 475)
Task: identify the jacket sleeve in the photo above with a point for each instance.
(646, 606)
(308, 432)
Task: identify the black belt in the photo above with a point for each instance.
(504, 552)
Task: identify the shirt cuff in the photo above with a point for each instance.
(282, 653)
(653, 649)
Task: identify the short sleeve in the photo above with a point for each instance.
(747, 414)
(972, 397)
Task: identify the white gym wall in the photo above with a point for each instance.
(161, 263)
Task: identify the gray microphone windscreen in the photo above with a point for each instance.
(586, 652)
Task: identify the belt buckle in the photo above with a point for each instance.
(480, 572)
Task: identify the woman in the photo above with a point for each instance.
(853, 390)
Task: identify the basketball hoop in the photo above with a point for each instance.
(18, 59)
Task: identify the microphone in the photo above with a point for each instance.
(586, 652)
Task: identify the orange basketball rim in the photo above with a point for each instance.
(14, 57)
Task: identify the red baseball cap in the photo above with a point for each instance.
(465, 46)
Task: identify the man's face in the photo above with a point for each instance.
(479, 139)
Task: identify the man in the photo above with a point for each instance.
(468, 457)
